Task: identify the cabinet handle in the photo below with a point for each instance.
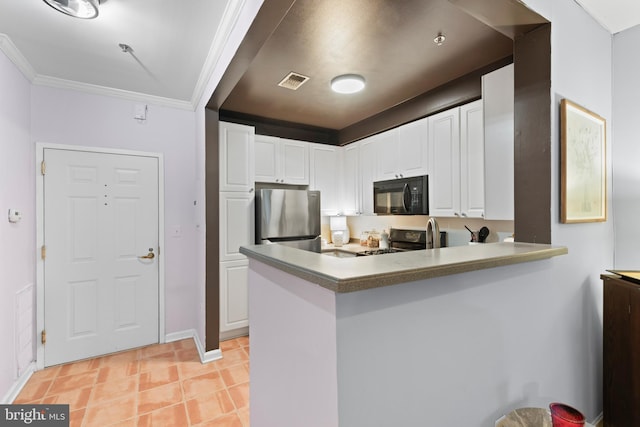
(456, 214)
(251, 190)
(463, 215)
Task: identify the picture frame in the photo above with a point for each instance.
(583, 165)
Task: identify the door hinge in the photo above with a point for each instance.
(43, 337)
(43, 252)
(43, 167)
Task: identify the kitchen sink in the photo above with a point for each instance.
(339, 253)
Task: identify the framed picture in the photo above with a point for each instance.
(583, 165)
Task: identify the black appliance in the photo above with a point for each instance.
(403, 196)
(402, 240)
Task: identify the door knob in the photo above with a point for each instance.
(150, 255)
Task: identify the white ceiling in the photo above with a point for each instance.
(614, 15)
(174, 47)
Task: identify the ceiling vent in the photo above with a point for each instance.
(293, 81)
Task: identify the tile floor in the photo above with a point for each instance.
(158, 385)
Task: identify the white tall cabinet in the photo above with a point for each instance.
(456, 178)
(236, 144)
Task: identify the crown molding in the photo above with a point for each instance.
(15, 56)
(229, 19)
(108, 91)
(227, 23)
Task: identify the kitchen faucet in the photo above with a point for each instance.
(433, 234)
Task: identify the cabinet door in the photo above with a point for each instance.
(352, 182)
(471, 160)
(294, 161)
(444, 163)
(621, 353)
(413, 148)
(368, 161)
(236, 224)
(234, 296)
(388, 159)
(266, 158)
(236, 157)
(325, 170)
(497, 97)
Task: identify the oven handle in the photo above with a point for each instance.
(406, 197)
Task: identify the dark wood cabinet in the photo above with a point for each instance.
(621, 358)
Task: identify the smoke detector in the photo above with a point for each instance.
(293, 81)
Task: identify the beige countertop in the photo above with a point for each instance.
(367, 272)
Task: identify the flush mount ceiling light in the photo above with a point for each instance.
(439, 40)
(347, 83)
(85, 9)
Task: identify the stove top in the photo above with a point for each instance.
(401, 241)
(379, 251)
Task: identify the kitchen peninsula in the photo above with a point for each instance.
(378, 341)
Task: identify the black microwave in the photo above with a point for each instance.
(403, 196)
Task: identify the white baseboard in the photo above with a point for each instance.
(17, 387)
(205, 356)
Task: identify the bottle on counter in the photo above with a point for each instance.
(364, 238)
(373, 239)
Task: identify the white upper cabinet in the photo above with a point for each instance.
(444, 158)
(413, 148)
(497, 96)
(388, 166)
(472, 160)
(403, 151)
(367, 162)
(456, 156)
(352, 181)
(236, 145)
(326, 176)
(281, 160)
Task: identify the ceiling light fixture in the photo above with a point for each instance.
(439, 40)
(85, 9)
(347, 83)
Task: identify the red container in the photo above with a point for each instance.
(565, 416)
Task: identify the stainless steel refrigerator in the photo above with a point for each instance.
(289, 217)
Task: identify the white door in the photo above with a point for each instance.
(101, 266)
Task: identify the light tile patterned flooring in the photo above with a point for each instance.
(159, 385)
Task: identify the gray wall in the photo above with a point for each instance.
(17, 241)
(626, 148)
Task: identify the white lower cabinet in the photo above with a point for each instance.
(234, 297)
